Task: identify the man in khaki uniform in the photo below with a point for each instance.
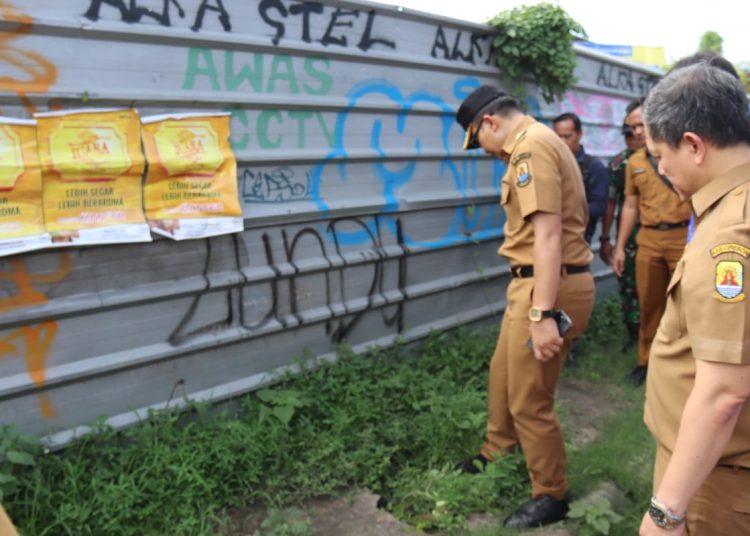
(664, 226)
(699, 377)
(546, 215)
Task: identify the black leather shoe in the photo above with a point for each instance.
(638, 375)
(537, 512)
(473, 465)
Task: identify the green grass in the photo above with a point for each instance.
(394, 422)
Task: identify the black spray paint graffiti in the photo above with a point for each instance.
(133, 13)
(275, 186)
(341, 322)
(340, 27)
(334, 34)
(470, 48)
(613, 77)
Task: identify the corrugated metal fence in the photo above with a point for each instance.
(364, 219)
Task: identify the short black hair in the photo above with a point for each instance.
(701, 99)
(634, 105)
(714, 59)
(569, 116)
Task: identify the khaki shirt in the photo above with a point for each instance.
(657, 202)
(708, 311)
(542, 176)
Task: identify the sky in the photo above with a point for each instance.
(676, 26)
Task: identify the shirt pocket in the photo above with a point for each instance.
(505, 188)
(671, 323)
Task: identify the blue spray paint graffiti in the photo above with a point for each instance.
(466, 224)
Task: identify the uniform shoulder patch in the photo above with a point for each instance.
(519, 157)
(729, 285)
(523, 173)
(730, 248)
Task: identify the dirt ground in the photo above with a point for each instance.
(584, 406)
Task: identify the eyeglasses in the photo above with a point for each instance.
(471, 140)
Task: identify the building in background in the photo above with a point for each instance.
(652, 56)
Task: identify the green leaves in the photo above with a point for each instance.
(20, 458)
(597, 514)
(17, 452)
(537, 42)
(281, 404)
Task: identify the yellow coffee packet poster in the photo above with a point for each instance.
(92, 172)
(21, 214)
(191, 187)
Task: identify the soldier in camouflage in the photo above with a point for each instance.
(617, 165)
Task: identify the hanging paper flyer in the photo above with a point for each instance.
(92, 172)
(21, 214)
(191, 186)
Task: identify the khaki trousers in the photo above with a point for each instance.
(6, 525)
(521, 394)
(657, 257)
(722, 505)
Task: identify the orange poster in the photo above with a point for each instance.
(21, 215)
(191, 188)
(92, 172)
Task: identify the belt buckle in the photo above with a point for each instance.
(663, 226)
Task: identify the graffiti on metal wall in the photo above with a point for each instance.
(34, 73)
(623, 79)
(131, 12)
(31, 342)
(332, 172)
(318, 23)
(277, 185)
(253, 313)
(456, 45)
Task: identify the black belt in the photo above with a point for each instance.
(528, 271)
(667, 226)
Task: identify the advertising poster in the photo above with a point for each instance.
(21, 214)
(92, 172)
(191, 187)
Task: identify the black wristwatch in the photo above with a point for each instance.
(536, 314)
(663, 517)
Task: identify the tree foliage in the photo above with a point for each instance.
(537, 41)
(711, 41)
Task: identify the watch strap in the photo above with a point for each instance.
(663, 517)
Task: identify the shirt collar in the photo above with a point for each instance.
(516, 135)
(704, 198)
(580, 154)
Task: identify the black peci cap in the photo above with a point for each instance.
(471, 106)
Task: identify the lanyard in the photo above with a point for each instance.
(691, 228)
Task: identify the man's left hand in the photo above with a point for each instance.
(546, 339)
(649, 528)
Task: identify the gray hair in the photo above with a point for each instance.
(701, 99)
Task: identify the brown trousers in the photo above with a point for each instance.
(722, 505)
(657, 257)
(6, 525)
(521, 394)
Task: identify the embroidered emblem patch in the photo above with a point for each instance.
(730, 248)
(518, 158)
(729, 281)
(523, 174)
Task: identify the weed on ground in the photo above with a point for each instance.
(395, 422)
